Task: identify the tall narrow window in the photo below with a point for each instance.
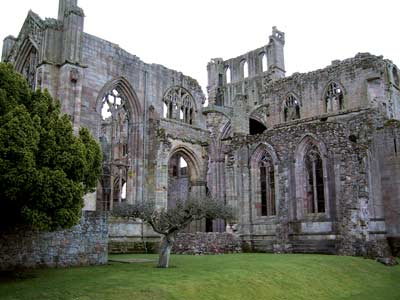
(228, 75)
(334, 98)
(291, 109)
(267, 186)
(165, 110)
(264, 64)
(178, 180)
(315, 198)
(115, 140)
(245, 69)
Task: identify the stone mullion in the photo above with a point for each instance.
(112, 163)
(120, 184)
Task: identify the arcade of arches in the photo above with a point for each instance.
(309, 161)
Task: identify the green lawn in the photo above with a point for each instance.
(240, 276)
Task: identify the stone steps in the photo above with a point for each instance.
(314, 246)
(298, 246)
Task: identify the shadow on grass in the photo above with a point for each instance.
(16, 275)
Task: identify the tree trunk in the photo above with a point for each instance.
(165, 250)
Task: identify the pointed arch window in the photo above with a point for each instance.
(29, 67)
(228, 75)
(245, 70)
(291, 109)
(334, 98)
(315, 195)
(264, 63)
(267, 185)
(179, 105)
(115, 141)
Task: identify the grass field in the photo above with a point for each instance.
(236, 276)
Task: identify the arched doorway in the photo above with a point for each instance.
(179, 185)
(184, 182)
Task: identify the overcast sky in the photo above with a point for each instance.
(184, 35)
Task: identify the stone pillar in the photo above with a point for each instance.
(70, 92)
(240, 119)
(73, 35)
(215, 69)
(275, 54)
(65, 5)
(8, 44)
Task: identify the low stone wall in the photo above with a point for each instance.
(83, 244)
(206, 243)
(131, 236)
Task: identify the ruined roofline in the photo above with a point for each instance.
(275, 36)
(134, 58)
(337, 119)
(360, 59)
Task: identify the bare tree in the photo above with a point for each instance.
(168, 222)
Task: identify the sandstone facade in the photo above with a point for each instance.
(310, 161)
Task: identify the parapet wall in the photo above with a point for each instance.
(83, 244)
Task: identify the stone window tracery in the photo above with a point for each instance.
(315, 197)
(267, 185)
(334, 98)
(291, 110)
(179, 105)
(115, 138)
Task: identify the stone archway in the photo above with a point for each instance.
(311, 176)
(184, 181)
(27, 61)
(120, 135)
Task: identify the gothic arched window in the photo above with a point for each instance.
(115, 140)
(315, 195)
(291, 110)
(228, 75)
(267, 185)
(28, 69)
(264, 62)
(179, 105)
(334, 98)
(245, 68)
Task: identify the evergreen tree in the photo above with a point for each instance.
(44, 168)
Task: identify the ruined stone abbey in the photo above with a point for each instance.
(311, 162)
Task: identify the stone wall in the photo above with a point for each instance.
(131, 236)
(347, 223)
(206, 243)
(83, 244)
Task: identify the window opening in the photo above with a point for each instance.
(334, 98)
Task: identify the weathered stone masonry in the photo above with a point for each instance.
(83, 244)
(341, 202)
(310, 161)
